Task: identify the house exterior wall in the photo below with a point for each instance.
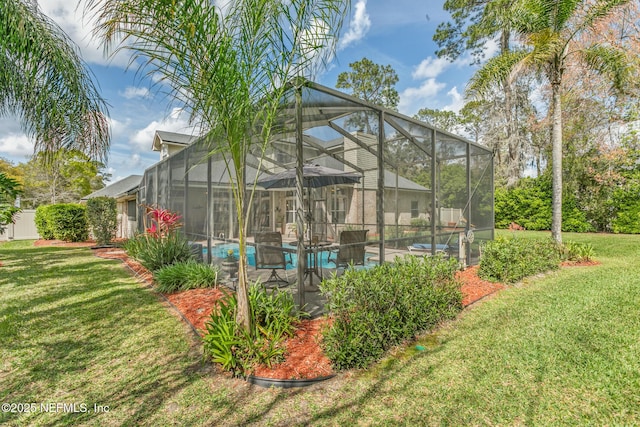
(167, 150)
(402, 206)
(127, 227)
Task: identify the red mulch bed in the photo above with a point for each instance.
(474, 288)
(305, 358)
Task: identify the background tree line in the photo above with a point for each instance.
(61, 177)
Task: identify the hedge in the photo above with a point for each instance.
(64, 221)
(373, 310)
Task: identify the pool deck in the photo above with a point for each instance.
(314, 301)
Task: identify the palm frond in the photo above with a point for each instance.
(45, 82)
(611, 62)
(546, 44)
(497, 70)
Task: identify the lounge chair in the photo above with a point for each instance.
(270, 255)
(425, 248)
(351, 250)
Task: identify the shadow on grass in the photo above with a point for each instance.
(349, 397)
(77, 329)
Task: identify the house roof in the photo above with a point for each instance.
(171, 138)
(118, 189)
(403, 183)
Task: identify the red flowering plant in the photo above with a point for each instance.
(163, 222)
(161, 244)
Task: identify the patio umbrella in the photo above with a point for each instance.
(314, 176)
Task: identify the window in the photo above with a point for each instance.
(338, 206)
(290, 207)
(132, 209)
(415, 213)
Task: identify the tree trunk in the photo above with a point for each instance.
(511, 132)
(556, 156)
(243, 316)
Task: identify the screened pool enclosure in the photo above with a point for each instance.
(418, 189)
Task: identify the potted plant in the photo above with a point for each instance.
(230, 264)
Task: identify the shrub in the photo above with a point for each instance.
(574, 219)
(511, 259)
(373, 310)
(627, 221)
(157, 252)
(69, 222)
(420, 223)
(578, 252)
(527, 204)
(64, 221)
(103, 218)
(273, 311)
(185, 275)
(223, 337)
(274, 316)
(627, 218)
(42, 223)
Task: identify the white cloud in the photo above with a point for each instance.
(223, 6)
(414, 98)
(309, 39)
(430, 68)
(136, 92)
(15, 145)
(358, 27)
(457, 101)
(143, 139)
(427, 74)
(118, 128)
(491, 48)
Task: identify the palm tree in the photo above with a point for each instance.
(548, 30)
(45, 83)
(227, 67)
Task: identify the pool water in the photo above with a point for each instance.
(220, 251)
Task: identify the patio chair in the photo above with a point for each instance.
(270, 255)
(351, 250)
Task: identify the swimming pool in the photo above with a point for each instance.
(221, 250)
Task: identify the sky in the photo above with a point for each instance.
(397, 33)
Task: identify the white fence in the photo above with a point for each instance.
(450, 216)
(23, 229)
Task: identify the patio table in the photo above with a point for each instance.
(311, 265)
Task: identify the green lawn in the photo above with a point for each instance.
(558, 349)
